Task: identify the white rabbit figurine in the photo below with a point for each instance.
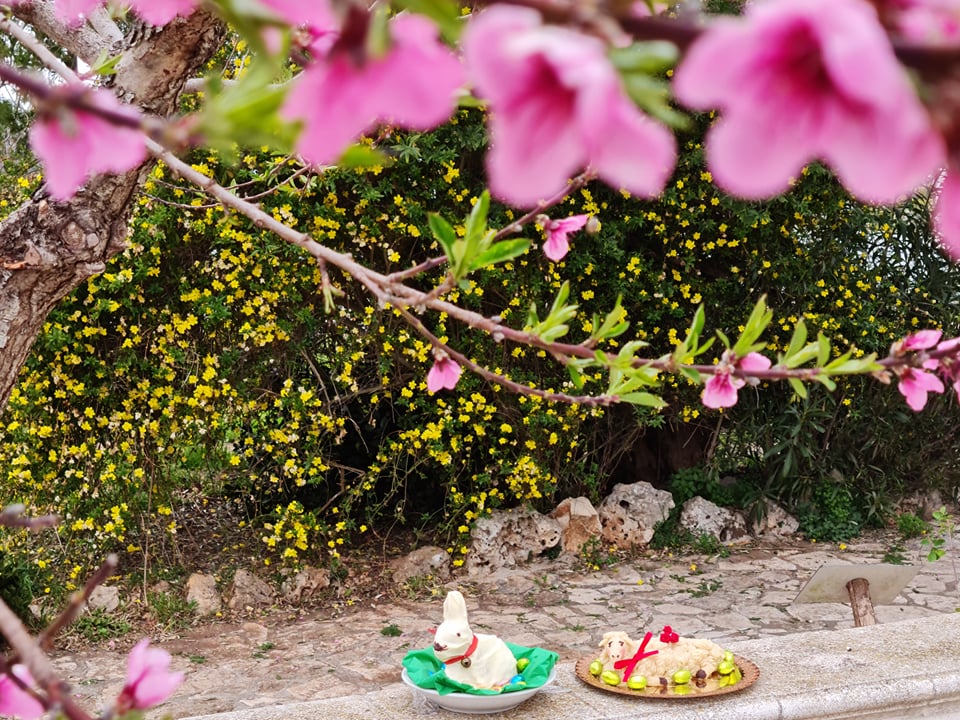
(483, 661)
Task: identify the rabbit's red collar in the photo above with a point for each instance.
(465, 658)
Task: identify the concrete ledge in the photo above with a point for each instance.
(907, 669)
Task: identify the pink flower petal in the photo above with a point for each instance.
(149, 680)
(751, 362)
(946, 213)
(798, 80)
(914, 386)
(412, 86)
(719, 392)
(626, 148)
(558, 231)
(75, 145)
(334, 102)
(160, 12)
(407, 95)
(535, 150)
(921, 340)
(444, 374)
(557, 105)
(15, 702)
(315, 13)
(73, 12)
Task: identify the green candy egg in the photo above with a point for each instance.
(637, 682)
(682, 677)
(596, 667)
(610, 677)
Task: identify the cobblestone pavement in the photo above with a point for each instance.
(288, 656)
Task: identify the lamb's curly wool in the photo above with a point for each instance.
(684, 654)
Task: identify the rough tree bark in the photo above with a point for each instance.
(48, 248)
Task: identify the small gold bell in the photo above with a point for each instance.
(466, 662)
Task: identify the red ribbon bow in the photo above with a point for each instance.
(632, 662)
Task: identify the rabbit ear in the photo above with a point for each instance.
(454, 607)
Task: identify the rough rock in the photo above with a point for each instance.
(249, 591)
(105, 598)
(579, 522)
(700, 516)
(429, 560)
(776, 521)
(202, 590)
(507, 538)
(304, 584)
(629, 514)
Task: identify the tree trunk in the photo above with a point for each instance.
(49, 248)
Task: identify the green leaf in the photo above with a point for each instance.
(801, 356)
(576, 377)
(476, 225)
(363, 156)
(798, 387)
(798, 339)
(642, 398)
(652, 95)
(691, 374)
(445, 13)
(650, 58)
(823, 353)
(105, 64)
(562, 294)
(756, 324)
(245, 113)
(500, 252)
(612, 326)
(844, 365)
(826, 382)
(444, 233)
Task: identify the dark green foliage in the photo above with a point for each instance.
(910, 526)
(831, 515)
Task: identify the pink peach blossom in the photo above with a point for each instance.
(149, 680)
(799, 80)
(950, 363)
(15, 702)
(557, 244)
(338, 99)
(73, 12)
(160, 12)
(946, 212)
(316, 17)
(721, 390)
(444, 374)
(927, 21)
(155, 12)
(920, 340)
(557, 105)
(73, 145)
(915, 384)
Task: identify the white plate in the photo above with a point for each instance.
(477, 704)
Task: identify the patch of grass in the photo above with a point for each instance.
(171, 611)
(705, 587)
(98, 626)
(263, 649)
(594, 555)
(910, 526)
(391, 630)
